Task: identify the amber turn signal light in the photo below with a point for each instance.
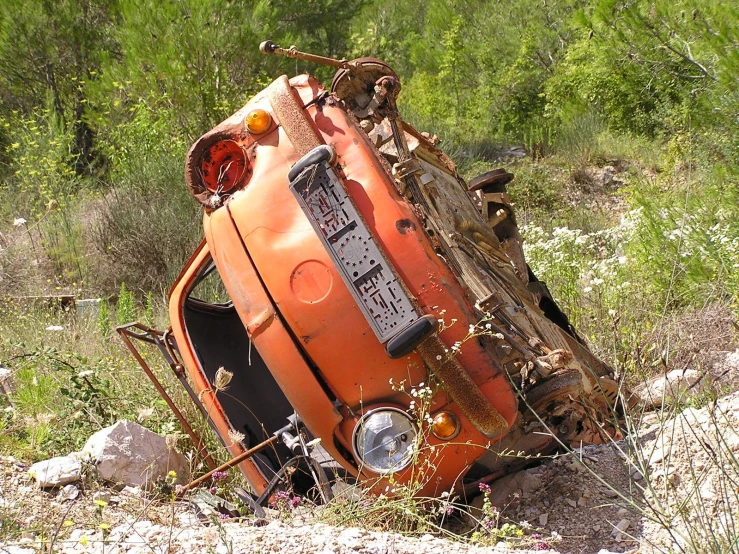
(257, 121)
(445, 426)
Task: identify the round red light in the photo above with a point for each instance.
(223, 166)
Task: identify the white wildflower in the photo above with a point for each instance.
(85, 373)
(55, 328)
(235, 436)
(223, 378)
(19, 222)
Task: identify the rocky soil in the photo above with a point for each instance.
(678, 467)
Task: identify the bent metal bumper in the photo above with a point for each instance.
(376, 287)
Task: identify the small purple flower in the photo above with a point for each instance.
(488, 524)
(536, 536)
(449, 510)
(212, 490)
(219, 476)
(224, 516)
(295, 501)
(282, 495)
(484, 487)
(541, 545)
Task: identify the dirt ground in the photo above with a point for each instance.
(677, 467)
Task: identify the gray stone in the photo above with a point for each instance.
(621, 526)
(56, 471)
(103, 496)
(128, 454)
(69, 492)
(668, 387)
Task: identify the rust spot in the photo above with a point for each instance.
(355, 141)
(402, 225)
(306, 338)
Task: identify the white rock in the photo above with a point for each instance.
(351, 538)
(69, 492)
(56, 471)
(17, 550)
(129, 454)
(668, 387)
(103, 496)
(621, 526)
(543, 518)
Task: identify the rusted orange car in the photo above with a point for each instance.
(372, 313)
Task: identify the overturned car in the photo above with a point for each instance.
(357, 310)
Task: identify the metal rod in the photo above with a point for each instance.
(269, 47)
(124, 332)
(229, 464)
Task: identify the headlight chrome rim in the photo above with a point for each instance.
(406, 457)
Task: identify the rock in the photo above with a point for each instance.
(662, 451)
(56, 471)
(128, 454)
(352, 538)
(621, 526)
(103, 496)
(543, 519)
(10, 549)
(670, 386)
(501, 490)
(69, 492)
(131, 491)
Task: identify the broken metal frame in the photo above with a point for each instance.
(165, 343)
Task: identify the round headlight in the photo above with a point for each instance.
(384, 440)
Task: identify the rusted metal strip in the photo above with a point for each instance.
(125, 332)
(292, 117)
(461, 388)
(229, 464)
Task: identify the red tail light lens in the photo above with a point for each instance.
(223, 166)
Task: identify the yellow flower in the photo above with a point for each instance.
(83, 540)
(172, 474)
(68, 523)
(101, 503)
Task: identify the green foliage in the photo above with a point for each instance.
(41, 176)
(126, 306)
(104, 323)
